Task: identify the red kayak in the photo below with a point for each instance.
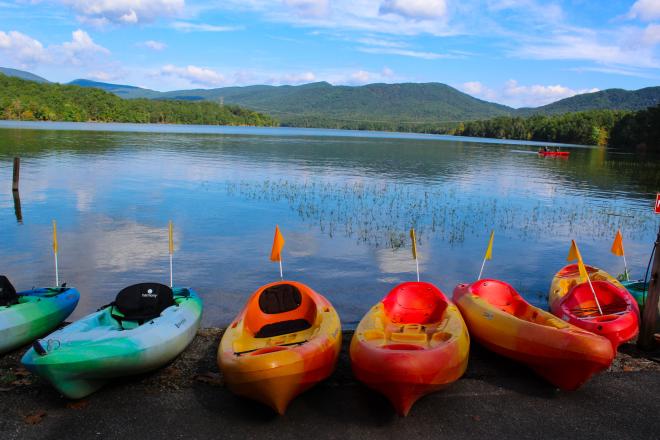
(501, 320)
(555, 153)
(410, 344)
(574, 302)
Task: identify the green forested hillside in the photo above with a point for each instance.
(610, 99)
(29, 100)
(370, 106)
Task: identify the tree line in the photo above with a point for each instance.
(624, 129)
(31, 101)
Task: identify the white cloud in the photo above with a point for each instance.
(395, 17)
(651, 35)
(646, 10)
(81, 47)
(293, 78)
(403, 52)
(102, 12)
(22, 49)
(415, 9)
(586, 45)
(185, 26)
(516, 95)
(196, 75)
(312, 8)
(477, 89)
(153, 45)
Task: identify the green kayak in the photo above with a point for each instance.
(639, 290)
(127, 337)
(27, 315)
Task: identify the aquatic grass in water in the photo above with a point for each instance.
(377, 214)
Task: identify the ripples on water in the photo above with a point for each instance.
(344, 204)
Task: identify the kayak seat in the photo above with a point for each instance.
(280, 309)
(280, 298)
(8, 294)
(414, 303)
(580, 300)
(282, 328)
(141, 302)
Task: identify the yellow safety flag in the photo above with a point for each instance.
(574, 254)
(489, 249)
(54, 236)
(414, 243)
(278, 244)
(617, 245)
(171, 237)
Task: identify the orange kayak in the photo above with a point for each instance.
(502, 321)
(410, 344)
(286, 339)
(574, 302)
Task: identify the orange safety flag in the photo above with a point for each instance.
(574, 254)
(489, 249)
(278, 244)
(414, 242)
(617, 245)
(54, 236)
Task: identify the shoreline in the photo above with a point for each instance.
(30, 406)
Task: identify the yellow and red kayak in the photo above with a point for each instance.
(502, 321)
(574, 302)
(412, 343)
(286, 339)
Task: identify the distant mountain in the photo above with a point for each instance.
(410, 103)
(22, 75)
(123, 91)
(405, 106)
(610, 99)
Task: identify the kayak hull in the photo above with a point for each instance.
(275, 369)
(82, 357)
(574, 302)
(406, 359)
(38, 312)
(502, 321)
(555, 153)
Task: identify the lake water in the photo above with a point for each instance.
(344, 201)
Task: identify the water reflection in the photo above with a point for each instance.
(345, 206)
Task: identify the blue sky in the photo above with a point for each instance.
(515, 52)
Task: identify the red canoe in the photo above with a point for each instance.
(412, 343)
(574, 302)
(555, 153)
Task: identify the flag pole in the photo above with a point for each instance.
(625, 268)
(57, 271)
(489, 253)
(281, 274)
(594, 293)
(483, 264)
(574, 253)
(171, 251)
(413, 238)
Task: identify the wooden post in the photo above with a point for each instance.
(17, 207)
(645, 341)
(17, 171)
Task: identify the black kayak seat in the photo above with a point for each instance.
(142, 302)
(8, 294)
(282, 328)
(280, 298)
